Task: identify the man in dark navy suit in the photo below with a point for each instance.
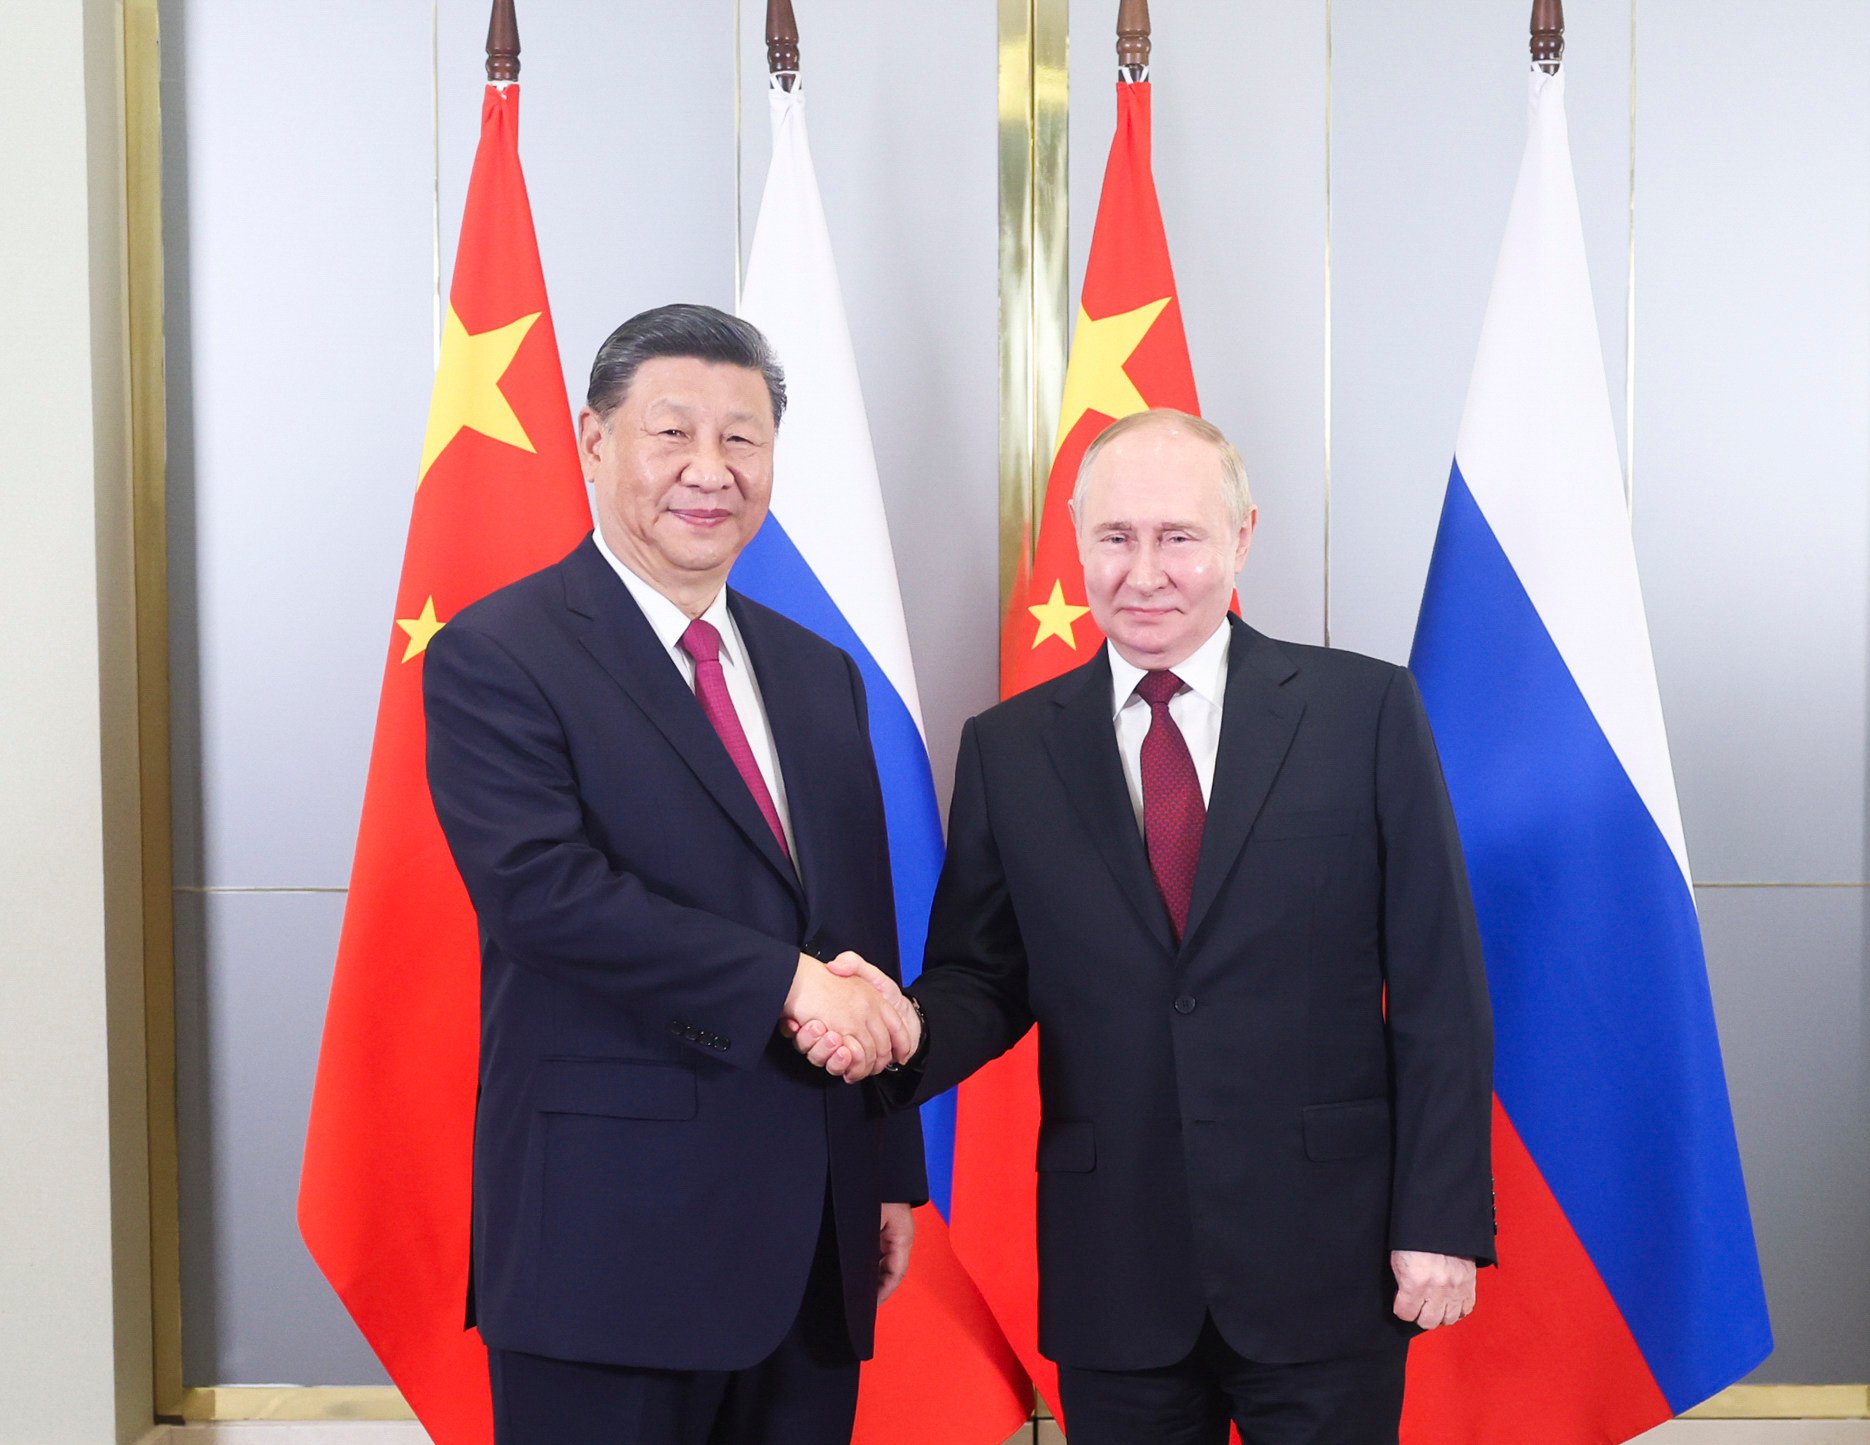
(663, 803)
(1221, 874)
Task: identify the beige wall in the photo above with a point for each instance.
(74, 1331)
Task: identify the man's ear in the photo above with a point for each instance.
(1244, 542)
(591, 433)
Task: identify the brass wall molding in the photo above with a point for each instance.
(385, 1402)
(294, 1402)
(1035, 310)
(142, 126)
(1786, 1402)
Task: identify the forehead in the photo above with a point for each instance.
(691, 383)
(1152, 471)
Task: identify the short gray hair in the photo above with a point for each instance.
(1236, 495)
(683, 329)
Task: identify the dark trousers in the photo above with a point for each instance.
(804, 1393)
(1355, 1400)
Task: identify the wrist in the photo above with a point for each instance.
(802, 976)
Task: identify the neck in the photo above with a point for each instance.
(692, 592)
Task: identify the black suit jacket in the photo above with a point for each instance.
(1232, 1124)
(650, 1160)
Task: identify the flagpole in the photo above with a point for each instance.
(782, 43)
(1548, 34)
(1133, 40)
(502, 44)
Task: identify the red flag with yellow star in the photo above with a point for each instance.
(1128, 354)
(384, 1195)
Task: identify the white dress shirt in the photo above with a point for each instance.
(669, 622)
(1196, 710)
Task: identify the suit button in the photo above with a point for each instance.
(1185, 1004)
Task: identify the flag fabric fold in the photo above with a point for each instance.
(942, 1369)
(1629, 1285)
(1128, 354)
(384, 1195)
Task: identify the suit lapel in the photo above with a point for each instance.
(1257, 726)
(614, 631)
(1083, 745)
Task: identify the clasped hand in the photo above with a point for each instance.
(849, 1018)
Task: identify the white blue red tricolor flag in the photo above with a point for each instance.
(1629, 1285)
(943, 1371)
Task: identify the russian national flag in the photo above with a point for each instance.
(1629, 1286)
(943, 1371)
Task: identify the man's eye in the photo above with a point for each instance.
(674, 432)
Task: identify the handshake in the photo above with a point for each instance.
(849, 1018)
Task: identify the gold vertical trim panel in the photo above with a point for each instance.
(1034, 136)
(142, 78)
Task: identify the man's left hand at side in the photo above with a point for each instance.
(895, 1236)
(1432, 1290)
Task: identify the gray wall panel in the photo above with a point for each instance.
(1428, 125)
(300, 362)
(1753, 449)
(918, 264)
(1789, 969)
(252, 970)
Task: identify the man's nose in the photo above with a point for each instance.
(707, 465)
(1146, 574)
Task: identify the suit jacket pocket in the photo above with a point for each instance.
(1067, 1146)
(1344, 1131)
(614, 1088)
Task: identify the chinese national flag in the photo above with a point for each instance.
(384, 1196)
(1128, 354)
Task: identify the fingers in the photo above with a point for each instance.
(1433, 1290)
(895, 1237)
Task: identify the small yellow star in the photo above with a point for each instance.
(467, 387)
(1055, 616)
(1094, 377)
(421, 630)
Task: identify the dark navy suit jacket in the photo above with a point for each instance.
(1232, 1124)
(650, 1159)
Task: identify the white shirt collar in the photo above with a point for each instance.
(667, 620)
(1203, 672)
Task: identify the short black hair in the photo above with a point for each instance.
(685, 329)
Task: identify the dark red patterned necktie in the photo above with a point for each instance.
(1173, 812)
(703, 643)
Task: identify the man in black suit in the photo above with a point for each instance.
(663, 803)
(1221, 874)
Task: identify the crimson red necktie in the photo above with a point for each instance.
(1173, 812)
(703, 643)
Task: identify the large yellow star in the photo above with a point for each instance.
(421, 630)
(1055, 616)
(1094, 377)
(467, 387)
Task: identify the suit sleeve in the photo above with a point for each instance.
(904, 1173)
(973, 983)
(1441, 1028)
(507, 797)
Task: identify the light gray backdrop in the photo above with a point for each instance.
(1334, 178)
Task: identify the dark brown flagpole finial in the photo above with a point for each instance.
(1133, 39)
(782, 41)
(502, 44)
(1548, 34)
